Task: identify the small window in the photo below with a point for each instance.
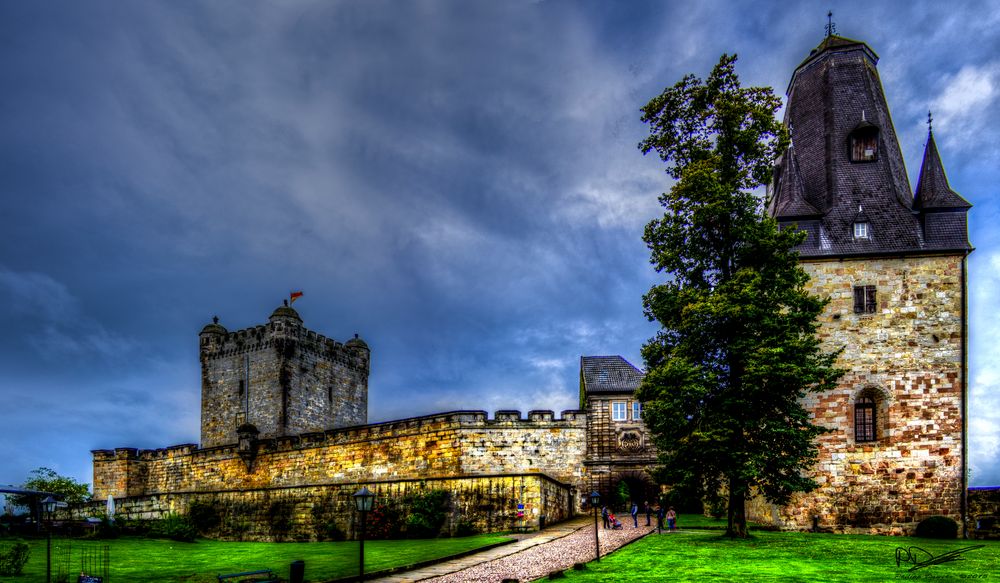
(329, 394)
(618, 411)
(864, 143)
(864, 420)
(860, 230)
(636, 410)
(864, 299)
(242, 387)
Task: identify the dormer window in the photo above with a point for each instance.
(861, 230)
(863, 142)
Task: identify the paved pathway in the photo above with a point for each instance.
(534, 555)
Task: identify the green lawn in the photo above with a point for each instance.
(698, 521)
(140, 560)
(785, 556)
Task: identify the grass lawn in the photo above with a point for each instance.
(785, 556)
(140, 560)
(699, 521)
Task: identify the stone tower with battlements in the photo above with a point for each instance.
(279, 379)
(892, 260)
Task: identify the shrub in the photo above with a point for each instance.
(13, 559)
(464, 527)
(204, 516)
(175, 527)
(324, 520)
(107, 528)
(937, 527)
(279, 517)
(428, 513)
(383, 522)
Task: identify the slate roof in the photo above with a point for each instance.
(608, 374)
(834, 92)
(933, 191)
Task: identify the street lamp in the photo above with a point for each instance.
(363, 500)
(49, 506)
(595, 500)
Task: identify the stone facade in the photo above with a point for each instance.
(908, 357)
(280, 378)
(619, 448)
(462, 443)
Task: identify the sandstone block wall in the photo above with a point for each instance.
(447, 446)
(488, 503)
(283, 379)
(908, 356)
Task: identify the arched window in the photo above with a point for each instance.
(864, 420)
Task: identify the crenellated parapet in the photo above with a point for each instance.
(455, 443)
(280, 378)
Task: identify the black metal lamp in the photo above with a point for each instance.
(48, 506)
(595, 501)
(363, 500)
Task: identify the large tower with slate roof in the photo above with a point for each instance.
(893, 263)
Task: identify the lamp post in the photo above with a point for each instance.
(595, 500)
(363, 500)
(49, 506)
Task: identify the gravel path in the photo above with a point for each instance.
(541, 560)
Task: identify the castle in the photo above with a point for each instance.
(284, 410)
(284, 414)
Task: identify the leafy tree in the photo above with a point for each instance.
(47, 480)
(737, 349)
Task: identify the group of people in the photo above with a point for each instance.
(612, 522)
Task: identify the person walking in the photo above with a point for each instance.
(659, 519)
(645, 506)
(604, 515)
(635, 515)
(671, 519)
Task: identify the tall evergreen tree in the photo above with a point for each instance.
(737, 350)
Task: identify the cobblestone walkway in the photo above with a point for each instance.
(556, 548)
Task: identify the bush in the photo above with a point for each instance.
(279, 518)
(13, 559)
(464, 527)
(428, 513)
(937, 527)
(324, 520)
(175, 527)
(203, 516)
(107, 528)
(383, 522)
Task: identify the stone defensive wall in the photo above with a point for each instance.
(449, 448)
(323, 512)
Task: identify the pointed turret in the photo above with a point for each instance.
(942, 210)
(933, 191)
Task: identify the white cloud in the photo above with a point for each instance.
(962, 105)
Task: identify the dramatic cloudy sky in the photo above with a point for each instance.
(458, 182)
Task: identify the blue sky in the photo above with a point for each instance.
(458, 182)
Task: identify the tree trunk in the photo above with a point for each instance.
(737, 523)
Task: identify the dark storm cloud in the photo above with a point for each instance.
(457, 182)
